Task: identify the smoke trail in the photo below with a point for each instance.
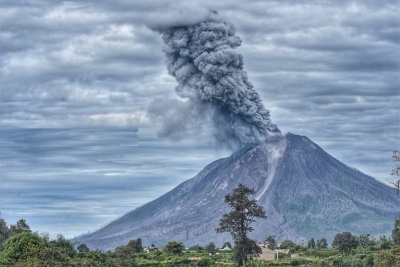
(210, 75)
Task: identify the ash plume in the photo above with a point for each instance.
(219, 97)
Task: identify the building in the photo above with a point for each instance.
(150, 249)
(262, 244)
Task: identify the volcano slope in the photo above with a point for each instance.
(304, 191)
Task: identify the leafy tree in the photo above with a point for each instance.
(345, 242)
(83, 248)
(322, 243)
(396, 232)
(174, 247)
(210, 248)
(287, 244)
(237, 221)
(20, 247)
(20, 227)
(271, 242)
(135, 246)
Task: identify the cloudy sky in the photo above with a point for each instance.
(77, 146)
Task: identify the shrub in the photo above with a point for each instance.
(295, 263)
(21, 246)
(368, 261)
(347, 261)
(388, 258)
(256, 263)
(204, 263)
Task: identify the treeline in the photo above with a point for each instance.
(19, 246)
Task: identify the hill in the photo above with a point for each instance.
(304, 191)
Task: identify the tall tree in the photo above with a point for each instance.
(237, 221)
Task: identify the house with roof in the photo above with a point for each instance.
(150, 248)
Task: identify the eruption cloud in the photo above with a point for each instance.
(210, 76)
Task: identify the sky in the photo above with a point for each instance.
(78, 147)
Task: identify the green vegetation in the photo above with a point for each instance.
(345, 242)
(287, 244)
(174, 248)
(20, 247)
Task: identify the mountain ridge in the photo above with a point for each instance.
(305, 192)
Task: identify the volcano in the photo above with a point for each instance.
(304, 191)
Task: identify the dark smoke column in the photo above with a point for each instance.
(210, 73)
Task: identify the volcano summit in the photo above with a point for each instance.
(304, 191)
